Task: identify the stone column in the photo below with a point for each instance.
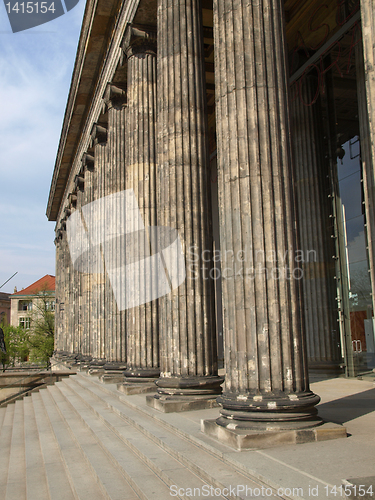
(70, 304)
(65, 273)
(62, 295)
(59, 292)
(142, 320)
(314, 225)
(74, 309)
(98, 278)
(188, 354)
(77, 277)
(366, 95)
(86, 278)
(115, 99)
(266, 382)
(115, 346)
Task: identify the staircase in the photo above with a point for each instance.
(82, 439)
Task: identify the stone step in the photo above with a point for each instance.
(157, 458)
(36, 479)
(210, 468)
(86, 484)
(58, 479)
(171, 421)
(257, 465)
(2, 415)
(5, 440)
(147, 482)
(16, 481)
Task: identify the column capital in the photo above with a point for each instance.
(59, 236)
(88, 161)
(139, 40)
(79, 182)
(72, 199)
(98, 134)
(114, 96)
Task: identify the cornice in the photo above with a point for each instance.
(98, 53)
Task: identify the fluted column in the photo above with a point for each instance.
(66, 268)
(188, 354)
(115, 99)
(98, 278)
(366, 104)
(70, 304)
(142, 320)
(59, 292)
(78, 319)
(71, 280)
(266, 382)
(115, 347)
(314, 208)
(86, 278)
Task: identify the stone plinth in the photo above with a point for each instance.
(244, 439)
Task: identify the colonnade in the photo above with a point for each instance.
(152, 138)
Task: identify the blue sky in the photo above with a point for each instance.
(35, 72)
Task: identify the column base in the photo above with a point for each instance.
(139, 374)
(177, 394)
(275, 411)
(139, 381)
(185, 403)
(244, 439)
(96, 367)
(113, 372)
(114, 366)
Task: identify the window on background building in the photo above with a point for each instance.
(50, 305)
(25, 305)
(24, 323)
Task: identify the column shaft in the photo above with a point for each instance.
(187, 322)
(265, 352)
(86, 278)
(59, 293)
(142, 320)
(115, 182)
(366, 107)
(314, 208)
(98, 278)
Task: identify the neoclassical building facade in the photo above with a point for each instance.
(247, 128)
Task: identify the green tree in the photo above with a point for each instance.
(42, 329)
(17, 345)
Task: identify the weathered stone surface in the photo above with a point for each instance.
(186, 315)
(175, 404)
(365, 69)
(247, 440)
(314, 208)
(265, 352)
(115, 324)
(87, 279)
(142, 325)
